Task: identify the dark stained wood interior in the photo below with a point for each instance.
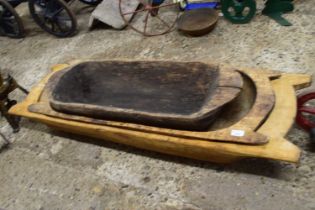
(167, 94)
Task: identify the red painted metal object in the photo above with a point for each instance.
(301, 119)
(154, 17)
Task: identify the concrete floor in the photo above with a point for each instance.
(45, 169)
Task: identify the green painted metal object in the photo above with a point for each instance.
(238, 11)
(242, 11)
(275, 8)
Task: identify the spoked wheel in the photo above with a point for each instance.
(306, 111)
(54, 16)
(239, 11)
(10, 22)
(91, 2)
(152, 17)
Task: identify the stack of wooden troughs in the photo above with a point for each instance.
(191, 109)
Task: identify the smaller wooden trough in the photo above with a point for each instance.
(185, 96)
(190, 109)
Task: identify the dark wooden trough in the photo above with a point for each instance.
(166, 94)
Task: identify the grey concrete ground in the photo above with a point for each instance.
(45, 169)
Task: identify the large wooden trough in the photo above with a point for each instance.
(191, 109)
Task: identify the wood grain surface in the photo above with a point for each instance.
(274, 126)
(224, 132)
(177, 95)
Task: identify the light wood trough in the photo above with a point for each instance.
(259, 133)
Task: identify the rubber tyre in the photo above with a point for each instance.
(91, 2)
(21, 31)
(69, 33)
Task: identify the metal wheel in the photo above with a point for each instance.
(10, 22)
(306, 111)
(53, 16)
(152, 17)
(91, 2)
(239, 11)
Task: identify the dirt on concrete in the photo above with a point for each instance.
(45, 169)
